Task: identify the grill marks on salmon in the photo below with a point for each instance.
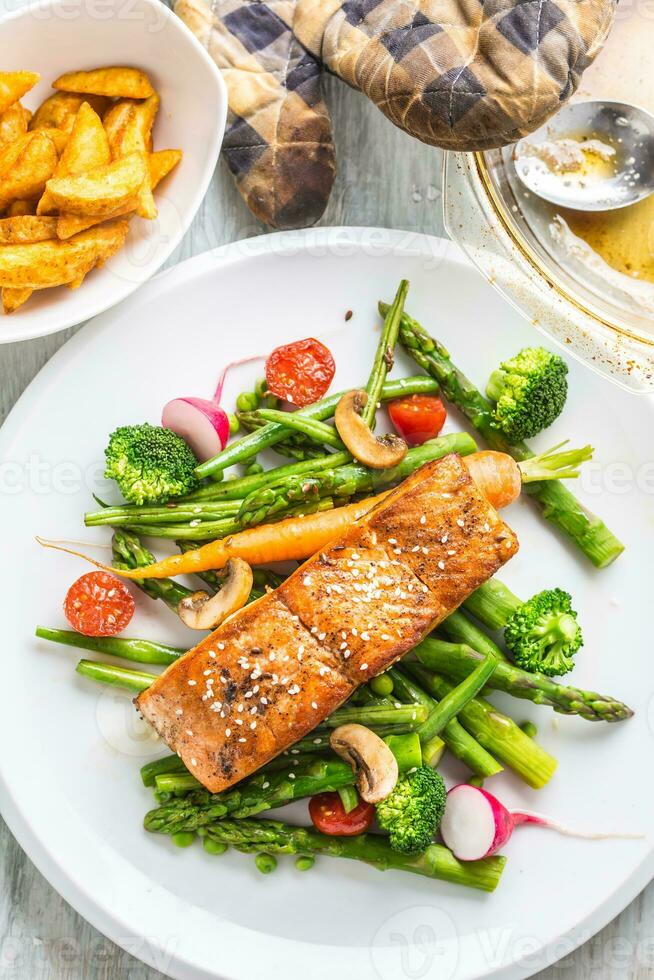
(245, 693)
(276, 669)
(362, 603)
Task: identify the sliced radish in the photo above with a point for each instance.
(471, 826)
(475, 824)
(202, 424)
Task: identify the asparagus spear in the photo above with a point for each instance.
(558, 504)
(140, 651)
(168, 765)
(255, 442)
(493, 603)
(318, 739)
(495, 731)
(135, 514)
(463, 745)
(456, 699)
(264, 791)
(374, 715)
(384, 354)
(212, 530)
(319, 432)
(458, 628)
(436, 862)
(128, 552)
(244, 485)
(346, 481)
(129, 680)
(174, 784)
(456, 660)
(296, 445)
(171, 775)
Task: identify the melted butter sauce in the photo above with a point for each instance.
(623, 238)
(622, 71)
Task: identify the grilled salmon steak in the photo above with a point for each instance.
(277, 668)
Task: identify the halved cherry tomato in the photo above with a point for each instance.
(98, 604)
(328, 815)
(300, 372)
(417, 418)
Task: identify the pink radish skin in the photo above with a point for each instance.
(475, 824)
(202, 424)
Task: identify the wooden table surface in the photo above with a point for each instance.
(384, 179)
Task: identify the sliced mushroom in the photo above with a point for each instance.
(201, 611)
(372, 760)
(378, 453)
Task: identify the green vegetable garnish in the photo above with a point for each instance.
(150, 464)
(413, 811)
(529, 392)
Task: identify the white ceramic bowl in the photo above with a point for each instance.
(65, 35)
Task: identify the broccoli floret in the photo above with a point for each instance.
(543, 633)
(150, 464)
(413, 811)
(529, 392)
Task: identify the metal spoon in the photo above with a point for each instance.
(621, 173)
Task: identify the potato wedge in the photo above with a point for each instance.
(13, 123)
(23, 229)
(14, 85)
(115, 82)
(9, 154)
(60, 109)
(76, 283)
(28, 174)
(161, 162)
(87, 148)
(13, 298)
(129, 127)
(72, 224)
(101, 191)
(55, 263)
(22, 206)
(58, 136)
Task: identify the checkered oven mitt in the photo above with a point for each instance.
(459, 74)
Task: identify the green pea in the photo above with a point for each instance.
(247, 401)
(253, 469)
(266, 863)
(305, 863)
(234, 424)
(260, 387)
(529, 729)
(183, 838)
(214, 846)
(382, 685)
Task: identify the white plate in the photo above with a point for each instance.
(69, 754)
(56, 36)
